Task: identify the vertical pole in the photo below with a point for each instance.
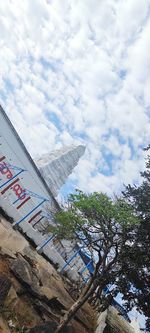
(23, 218)
(19, 198)
(85, 267)
(33, 225)
(69, 261)
(85, 279)
(12, 178)
(40, 247)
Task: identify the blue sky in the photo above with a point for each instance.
(78, 72)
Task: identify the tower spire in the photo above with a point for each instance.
(56, 166)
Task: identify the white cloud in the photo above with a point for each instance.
(131, 17)
(79, 72)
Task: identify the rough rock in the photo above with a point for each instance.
(10, 241)
(110, 321)
(3, 326)
(5, 285)
(101, 322)
(135, 324)
(50, 327)
(11, 298)
(37, 293)
(50, 293)
(115, 323)
(23, 271)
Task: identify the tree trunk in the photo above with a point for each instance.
(88, 286)
(75, 307)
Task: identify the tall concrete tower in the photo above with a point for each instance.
(55, 167)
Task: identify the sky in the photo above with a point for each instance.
(78, 72)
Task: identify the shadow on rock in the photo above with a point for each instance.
(50, 327)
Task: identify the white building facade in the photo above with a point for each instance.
(25, 195)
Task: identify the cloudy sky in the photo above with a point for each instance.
(78, 72)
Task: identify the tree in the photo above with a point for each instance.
(139, 277)
(106, 227)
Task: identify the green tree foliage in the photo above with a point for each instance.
(139, 254)
(105, 227)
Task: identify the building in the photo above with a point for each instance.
(27, 192)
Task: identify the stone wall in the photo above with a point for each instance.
(111, 321)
